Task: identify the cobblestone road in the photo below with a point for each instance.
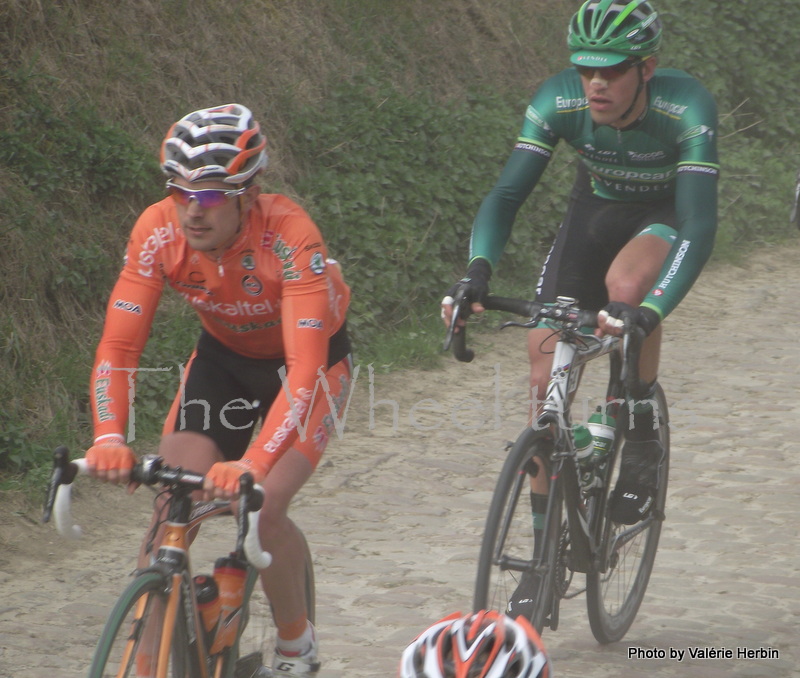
(395, 512)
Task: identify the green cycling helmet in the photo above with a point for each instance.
(607, 32)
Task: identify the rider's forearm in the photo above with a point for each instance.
(129, 316)
(696, 207)
(307, 320)
(492, 226)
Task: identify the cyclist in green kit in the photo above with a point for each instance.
(641, 217)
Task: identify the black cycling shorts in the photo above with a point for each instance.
(593, 232)
(221, 386)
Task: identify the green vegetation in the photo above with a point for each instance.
(397, 184)
(388, 121)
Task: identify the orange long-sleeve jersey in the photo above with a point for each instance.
(273, 294)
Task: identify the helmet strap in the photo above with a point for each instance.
(639, 89)
(242, 214)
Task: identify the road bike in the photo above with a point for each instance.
(578, 535)
(169, 623)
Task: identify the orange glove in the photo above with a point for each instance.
(111, 460)
(222, 480)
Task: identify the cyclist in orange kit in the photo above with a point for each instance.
(273, 345)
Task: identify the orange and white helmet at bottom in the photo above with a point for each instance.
(485, 644)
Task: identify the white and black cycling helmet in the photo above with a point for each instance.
(223, 143)
(483, 644)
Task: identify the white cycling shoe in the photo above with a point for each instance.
(306, 664)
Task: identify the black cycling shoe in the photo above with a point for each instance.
(521, 602)
(637, 485)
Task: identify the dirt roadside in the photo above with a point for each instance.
(395, 512)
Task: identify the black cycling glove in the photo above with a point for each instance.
(644, 317)
(475, 283)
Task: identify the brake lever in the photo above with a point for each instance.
(627, 324)
(63, 473)
(458, 340)
(448, 337)
(251, 501)
(633, 340)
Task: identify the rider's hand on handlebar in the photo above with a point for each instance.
(475, 288)
(222, 480)
(612, 318)
(111, 461)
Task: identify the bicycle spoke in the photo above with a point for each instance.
(256, 641)
(615, 594)
(130, 643)
(507, 568)
(515, 574)
(619, 579)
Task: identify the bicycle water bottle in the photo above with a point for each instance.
(229, 573)
(208, 604)
(584, 447)
(602, 427)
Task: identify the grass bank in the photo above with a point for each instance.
(389, 121)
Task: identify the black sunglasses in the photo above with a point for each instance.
(609, 72)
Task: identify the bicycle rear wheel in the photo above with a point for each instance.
(256, 641)
(506, 564)
(130, 640)
(613, 596)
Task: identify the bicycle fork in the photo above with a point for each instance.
(170, 616)
(171, 565)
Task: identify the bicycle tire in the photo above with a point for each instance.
(507, 544)
(124, 638)
(256, 644)
(613, 597)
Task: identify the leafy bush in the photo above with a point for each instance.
(392, 161)
(56, 151)
(61, 169)
(394, 182)
(740, 55)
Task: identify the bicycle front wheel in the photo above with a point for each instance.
(615, 591)
(129, 644)
(507, 567)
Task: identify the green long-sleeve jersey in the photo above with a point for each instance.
(672, 151)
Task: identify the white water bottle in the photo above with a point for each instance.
(584, 448)
(603, 428)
